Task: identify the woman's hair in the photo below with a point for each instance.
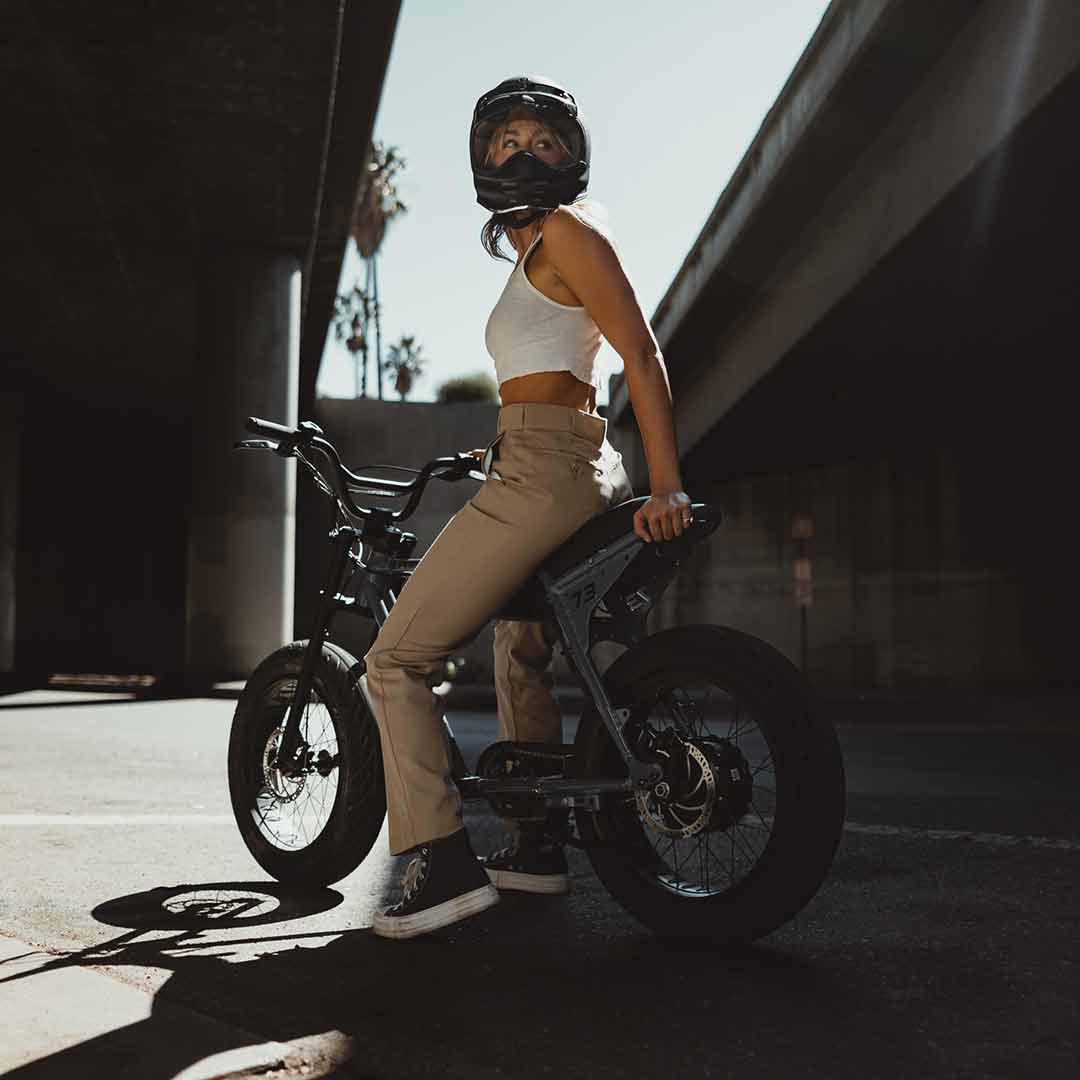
(520, 112)
(589, 211)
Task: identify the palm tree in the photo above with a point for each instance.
(352, 313)
(406, 361)
(377, 203)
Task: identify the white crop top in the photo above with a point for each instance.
(529, 332)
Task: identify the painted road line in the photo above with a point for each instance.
(993, 839)
(52, 820)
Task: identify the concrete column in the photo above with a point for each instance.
(10, 438)
(243, 520)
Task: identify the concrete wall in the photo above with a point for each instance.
(909, 589)
(241, 528)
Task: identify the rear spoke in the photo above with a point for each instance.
(741, 844)
(716, 722)
(764, 823)
(765, 766)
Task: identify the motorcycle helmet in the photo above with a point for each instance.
(520, 184)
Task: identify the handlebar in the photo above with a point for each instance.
(287, 442)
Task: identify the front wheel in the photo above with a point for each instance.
(741, 830)
(312, 827)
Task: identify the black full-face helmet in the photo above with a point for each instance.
(524, 185)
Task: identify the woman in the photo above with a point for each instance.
(556, 469)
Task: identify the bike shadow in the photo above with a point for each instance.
(535, 985)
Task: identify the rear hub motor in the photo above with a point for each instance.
(706, 786)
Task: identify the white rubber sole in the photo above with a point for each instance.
(549, 884)
(423, 922)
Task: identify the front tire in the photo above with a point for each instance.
(312, 830)
(752, 810)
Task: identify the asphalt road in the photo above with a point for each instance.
(946, 942)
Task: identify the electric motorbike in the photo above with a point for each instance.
(703, 785)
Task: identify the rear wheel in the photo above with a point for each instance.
(315, 826)
(741, 831)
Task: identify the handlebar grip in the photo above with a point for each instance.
(258, 427)
(266, 427)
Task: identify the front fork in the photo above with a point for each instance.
(343, 539)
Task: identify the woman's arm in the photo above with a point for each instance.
(587, 262)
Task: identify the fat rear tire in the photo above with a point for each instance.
(808, 782)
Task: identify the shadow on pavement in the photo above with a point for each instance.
(526, 989)
(915, 959)
(178, 917)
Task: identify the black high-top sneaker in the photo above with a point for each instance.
(443, 884)
(533, 862)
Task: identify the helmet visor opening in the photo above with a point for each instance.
(509, 128)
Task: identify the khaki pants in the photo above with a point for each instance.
(549, 469)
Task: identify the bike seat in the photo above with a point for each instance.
(596, 533)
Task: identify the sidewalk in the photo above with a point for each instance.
(81, 1021)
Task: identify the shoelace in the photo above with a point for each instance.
(510, 850)
(413, 877)
(514, 848)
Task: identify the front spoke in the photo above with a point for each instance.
(292, 811)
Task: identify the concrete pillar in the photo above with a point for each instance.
(243, 520)
(10, 438)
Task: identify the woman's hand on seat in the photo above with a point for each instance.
(664, 516)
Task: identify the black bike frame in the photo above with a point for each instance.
(572, 597)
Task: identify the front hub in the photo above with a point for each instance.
(286, 786)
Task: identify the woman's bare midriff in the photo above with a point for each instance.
(549, 388)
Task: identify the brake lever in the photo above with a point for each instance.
(256, 444)
(282, 449)
(457, 472)
(472, 474)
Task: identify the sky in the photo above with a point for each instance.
(672, 93)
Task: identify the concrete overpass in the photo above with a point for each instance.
(177, 190)
(876, 326)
